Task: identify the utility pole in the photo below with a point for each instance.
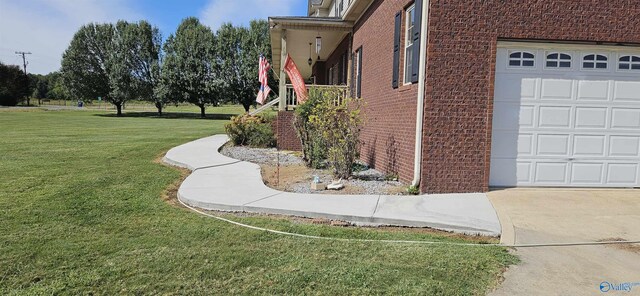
(24, 59)
(24, 63)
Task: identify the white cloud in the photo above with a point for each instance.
(45, 27)
(240, 12)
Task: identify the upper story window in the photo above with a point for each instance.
(558, 60)
(629, 62)
(410, 22)
(521, 59)
(595, 61)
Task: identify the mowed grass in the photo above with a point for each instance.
(81, 213)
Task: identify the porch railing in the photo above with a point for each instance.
(292, 98)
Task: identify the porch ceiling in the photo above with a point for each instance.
(300, 31)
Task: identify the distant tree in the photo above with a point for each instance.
(56, 90)
(115, 62)
(147, 64)
(122, 63)
(190, 69)
(87, 62)
(239, 50)
(14, 85)
(39, 86)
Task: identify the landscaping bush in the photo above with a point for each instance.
(330, 131)
(253, 131)
(314, 149)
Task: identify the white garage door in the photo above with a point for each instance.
(566, 115)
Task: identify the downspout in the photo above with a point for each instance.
(417, 161)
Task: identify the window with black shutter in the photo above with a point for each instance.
(396, 50)
(417, 27)
(359, 72)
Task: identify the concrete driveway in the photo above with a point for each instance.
(531, 216)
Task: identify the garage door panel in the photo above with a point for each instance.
(625, 118)
(516, 89)
(525, 145)
(554, 117)
(506, 172)
(587, 173)
(551, 173)
(513, 144)
(589, 146)
(557, 89)
(588, 118)
(514, 116)
(553, 145)
(593, 90)
(627, 91)
(622, 173)
(624, 146)
(565, 127)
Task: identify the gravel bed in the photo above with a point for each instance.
(368, 181)
(367, 187)
(260, 155)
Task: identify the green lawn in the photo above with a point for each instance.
(81, 213)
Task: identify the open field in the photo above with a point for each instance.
(132, 106)
(82, 213)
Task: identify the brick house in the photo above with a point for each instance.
(463, 95)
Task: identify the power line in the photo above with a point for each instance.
(24, 59)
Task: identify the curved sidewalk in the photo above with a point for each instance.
(226, 184)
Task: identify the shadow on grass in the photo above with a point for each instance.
(170, 115)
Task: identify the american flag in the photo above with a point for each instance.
(263, 72)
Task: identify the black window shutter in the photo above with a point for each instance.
(396, 50)
(353, 75)
(416, 42)
(359, 90)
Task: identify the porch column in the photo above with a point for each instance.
(283, 76)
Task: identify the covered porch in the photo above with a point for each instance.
(321, 49)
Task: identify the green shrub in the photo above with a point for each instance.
(413, 190)
(253, 131)
(329, 129)
(314, 149)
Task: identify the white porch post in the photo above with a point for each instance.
(283, 76)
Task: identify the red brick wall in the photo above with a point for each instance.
(462, 39)
(388, 135)
(286, 133)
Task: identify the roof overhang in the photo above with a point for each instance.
(356, 10)
(310, 23)
(300, 31)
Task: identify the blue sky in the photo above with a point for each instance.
(45, 27)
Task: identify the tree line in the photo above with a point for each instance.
(130, 61)
(15, 86)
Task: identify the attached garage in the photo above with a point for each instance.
(566, 116)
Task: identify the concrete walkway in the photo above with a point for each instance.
(222, 183)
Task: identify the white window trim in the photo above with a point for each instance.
(618, 62)
(407, 38)
(558, 60)
(522, 59)
(608, 62)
